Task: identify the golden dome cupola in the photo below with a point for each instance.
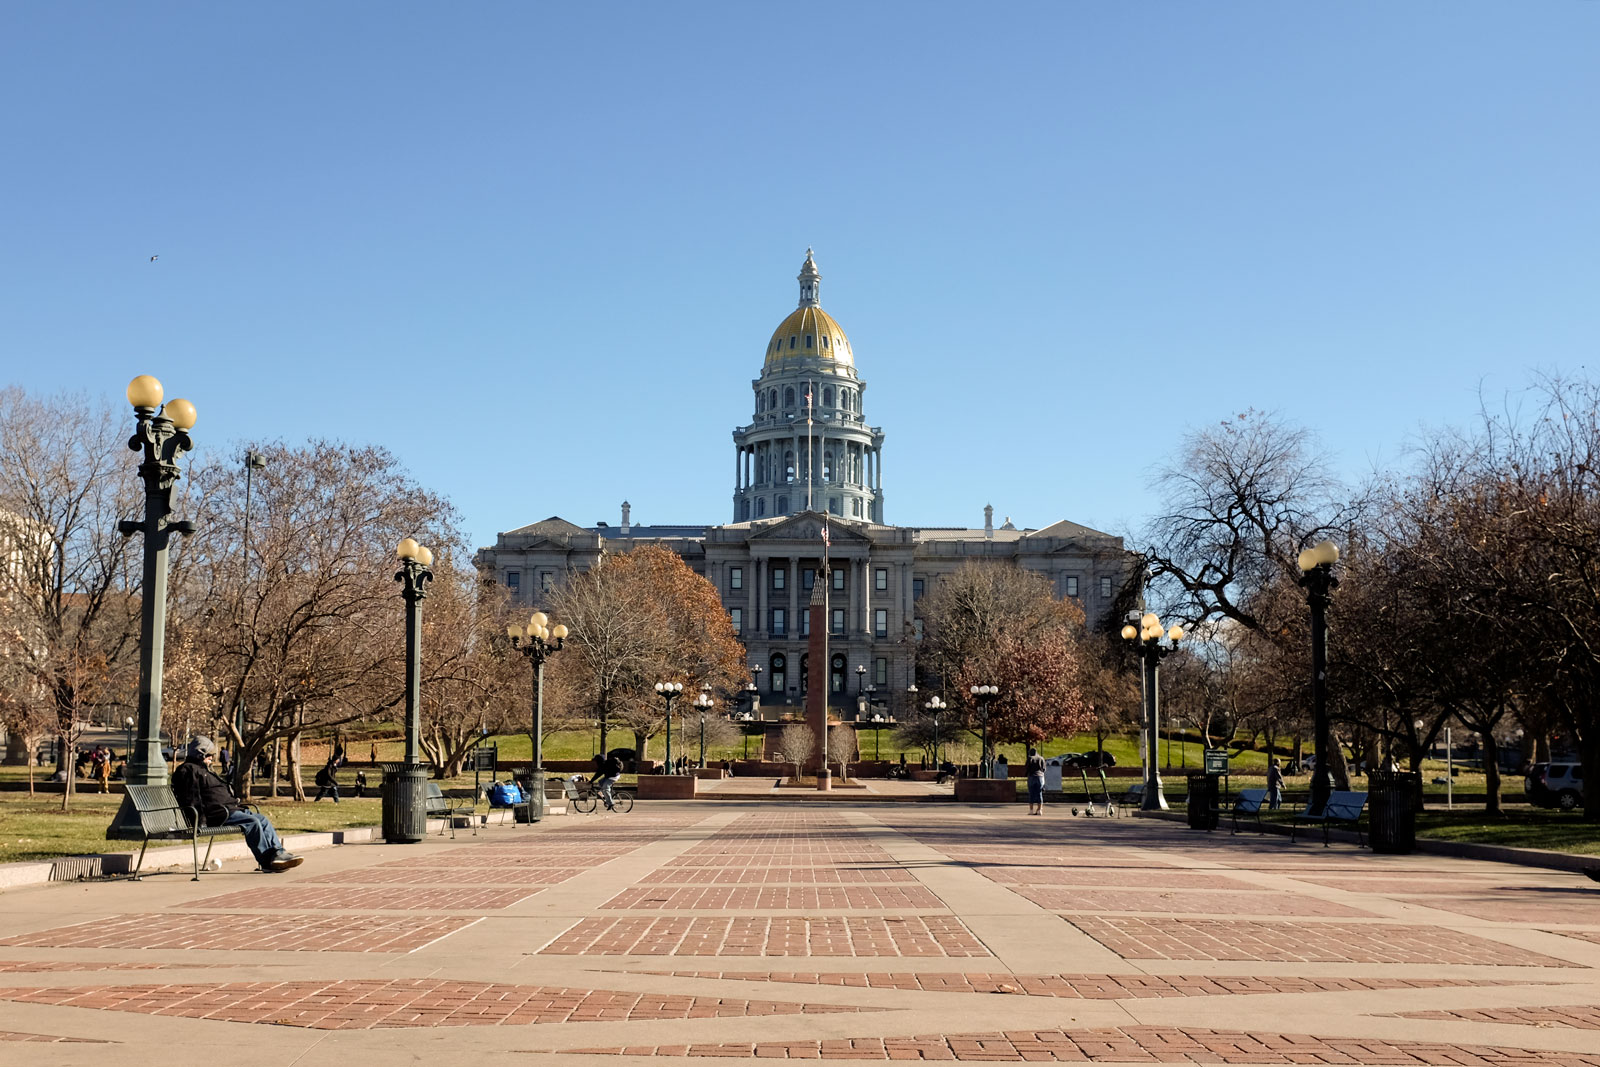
(809, 333)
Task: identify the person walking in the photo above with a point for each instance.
(1274, 785)
(100, 765)
(327, 783)
(1035, 768)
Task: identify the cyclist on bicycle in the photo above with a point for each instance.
(608, 769)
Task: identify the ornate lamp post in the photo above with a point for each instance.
(669, 691)
(538, 641)
(405, 785)
(162, 434)
(704, 702)
(861, 677)
(985, 695)
(935, 705)
(128, 748)
(1147, 645)
(253, 461)
(1316, 576)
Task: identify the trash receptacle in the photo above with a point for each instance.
(1391, 810)
(532, 783)
(1203, 801)
(405, 803)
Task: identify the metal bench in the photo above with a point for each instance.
(162, 818)
(1250, 802)
(1342, 806)
(438, 806)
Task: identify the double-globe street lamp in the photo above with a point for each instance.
(669, 691)
(934, 706)
(985, 695)
(1147, 645)
(162, 435)
(405, 786)
(538, 641)
(1316, 577)
(705, 703)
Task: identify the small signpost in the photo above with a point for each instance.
(1216, 761)
(484, 758)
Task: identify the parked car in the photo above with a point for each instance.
(1555, 785)
(1088, 760)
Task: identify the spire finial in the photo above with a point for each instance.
(810, 283)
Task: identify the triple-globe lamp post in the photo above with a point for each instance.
(985, 695)
(1316, 577)
(934, 706)
(538, 641)
(669, 691)
(1146, 638)
(161, 433)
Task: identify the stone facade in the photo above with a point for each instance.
(765, 566)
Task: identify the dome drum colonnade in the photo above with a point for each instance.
(837, 460)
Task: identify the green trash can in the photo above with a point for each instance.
(1203, 797)
(1391, 810)
(405, 803)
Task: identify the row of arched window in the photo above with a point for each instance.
(829, 344)
(778, 672)
(849, 399)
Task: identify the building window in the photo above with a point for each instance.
(793, 341)
(808, 340)
(778, 628)
(880, 579)
(855, 507)
(547, 581)
(777, 577)
(880, 671)
(808, 578)
(735, 577)
(833, 501)
(917, 588)
(788, 395)
(514, 581)
(836, 679)
(1072, 585)
(1105, 587)
(783, 505)
(736, 616)
(824, 340)
(838, 620)
(805, 671)
(827, 393)
(761, 507)
(880, 622)
(805, 622)
(775, 672)
(772, 400)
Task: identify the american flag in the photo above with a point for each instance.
(825, 542)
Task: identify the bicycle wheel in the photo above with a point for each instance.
(583, 802)
(622, 800)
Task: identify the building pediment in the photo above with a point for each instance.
(807, 526)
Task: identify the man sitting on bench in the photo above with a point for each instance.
(197, 786)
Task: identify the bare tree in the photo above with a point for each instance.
(797, 743)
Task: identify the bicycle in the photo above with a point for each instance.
(585, 796)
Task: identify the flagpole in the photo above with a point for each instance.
(810, 388)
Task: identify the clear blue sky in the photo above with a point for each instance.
(538, 249)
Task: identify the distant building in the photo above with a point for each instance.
(799, 465)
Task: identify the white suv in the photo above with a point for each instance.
(1555, 785)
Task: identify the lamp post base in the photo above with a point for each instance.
(1155, 798)
(824, 780)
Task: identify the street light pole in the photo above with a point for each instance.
(405, 810)
(935, 705)
(704, 702)
(1147, 646)
(162, 434)
(253, 461)
(538, 641)
(669, 691)
(1316, 577)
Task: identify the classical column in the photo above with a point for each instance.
(757, 598)
(866, 593)
(793, 582)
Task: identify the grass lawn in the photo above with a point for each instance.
(37, 828)
(1518, 828)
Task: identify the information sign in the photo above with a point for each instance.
(1216, 761)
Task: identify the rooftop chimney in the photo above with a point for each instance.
(626, 508)
(988, 521)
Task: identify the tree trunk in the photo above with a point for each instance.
(639, 743)
(297, 788)
(1491, 773)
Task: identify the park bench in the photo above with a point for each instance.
(439, 807)
(1342, 806)
(1250, 802)
(162, 818)
(1133, 799)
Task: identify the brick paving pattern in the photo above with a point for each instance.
(1521, 905)
(257, 933)
(362, 1005)
(1132, 877)
(47, 966)
(916, 935)
(780, 876)
(455, 876)
(1086, 986)
(1224, 939)
(1130, 1044)
(1577, 1016)
(773, 899)
(1186, 901)
(381, 899)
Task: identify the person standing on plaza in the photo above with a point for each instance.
(1035, 768)
(197, 786)
(1274, 785)
(100, 766)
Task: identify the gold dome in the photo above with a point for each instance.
(808, 333)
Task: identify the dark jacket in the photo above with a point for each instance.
(197, 787)
(610, 767)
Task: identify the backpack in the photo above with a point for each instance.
(504, 795)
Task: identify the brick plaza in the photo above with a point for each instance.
(815, 930)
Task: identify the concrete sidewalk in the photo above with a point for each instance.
(754, 930)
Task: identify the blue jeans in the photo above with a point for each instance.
(1035, 791)
(605, 785)
(258, 833)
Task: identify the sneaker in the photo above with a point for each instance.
(283, 860)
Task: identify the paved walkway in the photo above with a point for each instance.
(694, 931)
